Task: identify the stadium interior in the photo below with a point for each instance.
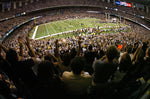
(85, 49)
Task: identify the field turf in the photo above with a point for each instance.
(47, 29)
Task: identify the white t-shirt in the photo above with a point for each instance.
(77, 84)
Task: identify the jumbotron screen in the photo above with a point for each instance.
(123, 3)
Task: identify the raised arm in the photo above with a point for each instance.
(21, 46)
(1, 53)
(31, 51)
(3, 47)
(57, 56)
(57, 53)
(135, 54)
(56, 49)
(79, 48)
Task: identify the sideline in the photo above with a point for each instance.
(35, 32)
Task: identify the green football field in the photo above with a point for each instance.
(58, 27)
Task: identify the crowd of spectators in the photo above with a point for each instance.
(82, 66)
(90, 66)
(10, 24)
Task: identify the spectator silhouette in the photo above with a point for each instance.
(103, 70)
(22, 73)
(90, 55)
(124, 66)
(146, 69)
(54, 60)
(76, 81)
(103, 73)
(49, 84)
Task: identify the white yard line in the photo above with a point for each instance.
(46, 29)
(53, 35)
(53, 27)
(42, 37)
(65, 23)
(35, 32)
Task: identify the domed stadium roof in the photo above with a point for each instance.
(145, 2)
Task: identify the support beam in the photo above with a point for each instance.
(114, 2)
(147, 9)
(108, 16)
(20, 3)
(132, 4)
(26, 2)
(15, 5)
(8, 9)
